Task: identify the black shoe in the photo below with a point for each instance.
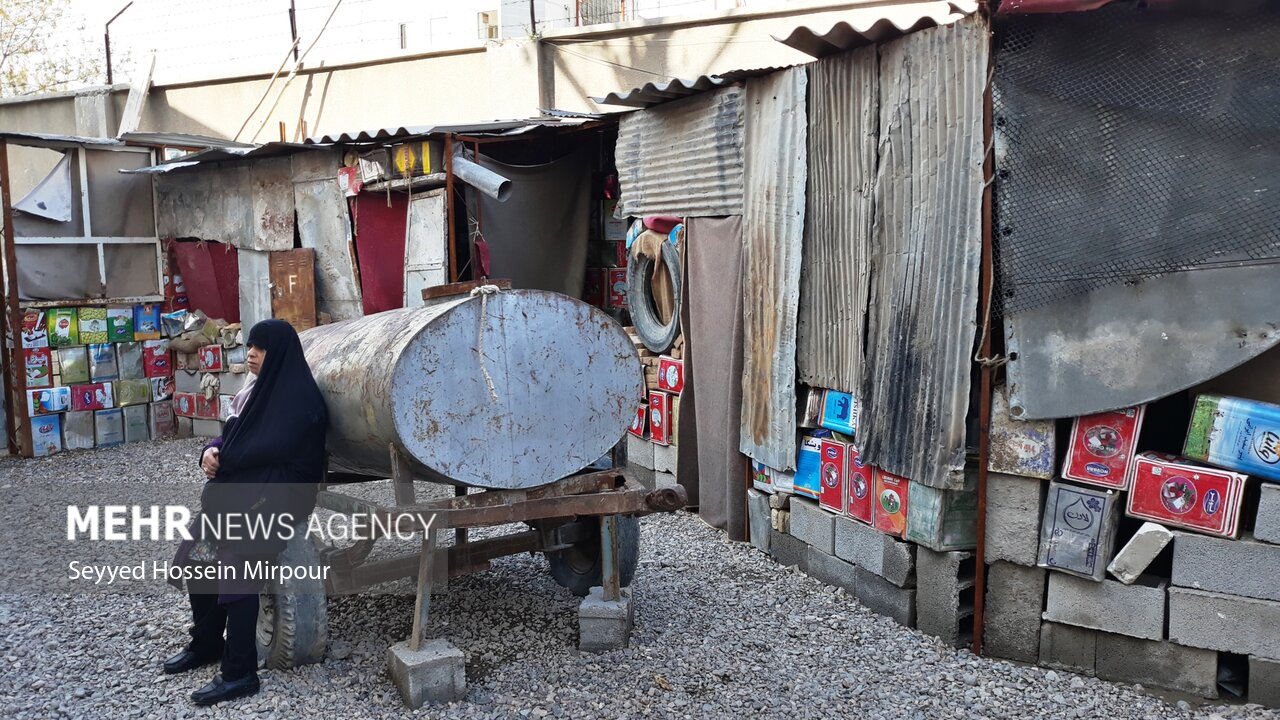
(189, 659)
(218, 689)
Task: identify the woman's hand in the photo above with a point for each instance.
(209, 462)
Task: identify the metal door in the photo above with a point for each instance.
(425, 246)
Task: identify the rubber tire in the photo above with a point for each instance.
(579, 568)
(655, 336)
(293, 619)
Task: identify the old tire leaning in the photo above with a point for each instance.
(293, 627)
(578, 568)
(653, 333)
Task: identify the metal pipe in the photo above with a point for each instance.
(13, 377)
(449, 215)
(486, 181)
(106, 36)
(609, 558)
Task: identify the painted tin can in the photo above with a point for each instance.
(1102, 448)
(120, 324)
(810, 407)
(1175, 491)
(206, 408)
(39, 366)
(1078, 530)
(832, 475)
(46, 435)
(211, 358)
(35, 329)
(93, 325)
(156, 359)
(63, 329)
(808, 480)
(135, 424)
(859, 482)
(943, 520)
(132, 392)
(108, 427)
(161, 388)
(146, 322)
(660, 417)
(616, 287)
(1020, 447)
(670, 375)
(103, 364)
(889, 503)
(73, 364)
(839, 412)
(184, 404)
(1235, 433)
(92, 396)
(640, 422)
(161, 418)
(760, 477)
(77, 430)
(47, 401)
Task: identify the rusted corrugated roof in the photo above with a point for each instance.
(773, 235)
(684, 158)
(865, 26)
(651, 94)
(844, 107)
(410, 132)
(926, 251)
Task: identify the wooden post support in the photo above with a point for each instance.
(612, 584)
(401, 478)
(422, 606)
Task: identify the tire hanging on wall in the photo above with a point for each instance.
(656, 335)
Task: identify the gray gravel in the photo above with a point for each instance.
(721, 631)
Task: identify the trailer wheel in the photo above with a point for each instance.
(578, 568)
(293, 626)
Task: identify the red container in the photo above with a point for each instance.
(184, 405)
(156, 361)
(859, 481)
(660, 417)
(39, 364)
(211, 358)
(831, 475)
(889, 506)
(1101, 450)
(670, 375)
(640, 421)
(206, 408)
(1176, 491)
(92, 396)
(617, 288)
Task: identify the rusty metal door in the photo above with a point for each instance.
(425, 246)
(293, 287)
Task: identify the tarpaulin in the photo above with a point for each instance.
(380, 233)
(211, 273)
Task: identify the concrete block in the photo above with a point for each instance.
(183, 427)
(1236, 567)
(884, 598)
(780, 520)
(786, 549)
(944, 595)
(185, 381)
(875, 551)
(831, 570)
(1070, 648)
(639, 452)
(1141, 550)
(206, 428)
(665, 458)
(1014, 507)
(1245, 626)
(1015, 597)
(604, 624)
(435, 673)
(663, 480)
(813, 525)
(1264, 682)
(758, 517)
(1267, 527)
(1110, 606)
(1158, 664)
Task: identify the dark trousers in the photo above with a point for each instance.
(209, 619)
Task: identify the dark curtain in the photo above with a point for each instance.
(710, 466)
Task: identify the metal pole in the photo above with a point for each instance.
(106, 36)
(984, 392)
(293, 28)
(612, 584)
(12, 320)
(533, 19)
(449, 214)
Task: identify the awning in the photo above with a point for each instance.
(554, 119)
(655, 93)
(865, 26)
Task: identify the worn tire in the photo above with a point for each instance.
(579, 568)
(655, 335)
(293, 626)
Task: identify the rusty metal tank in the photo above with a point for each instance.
(513, 389)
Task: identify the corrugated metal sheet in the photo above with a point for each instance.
(773, 235)
(654, 93)
(844, 117)
(324, 225)
(684, 158)
(926, 251)
(879, 23)
(249, 205)
(557, 119)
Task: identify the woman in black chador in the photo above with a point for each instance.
(266, 465)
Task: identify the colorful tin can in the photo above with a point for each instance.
(1175, 491)
(211, 358)
(670, 375)
(48, 401)
(889, 505)
(35, 329)
(184, 404)
(832, 474)
(155, 359)
(102, 362)
(1236, 433)
(92, 396)
(808, 479)
(1078, 530)
(640, 422)
(660, 417)
(46, 435)
(161, 418)
(859, 482)
(839, 412)
(1102, 448)
(146, 322)
(93, 325)
(120, 324)
(39, 362)
(63, 328)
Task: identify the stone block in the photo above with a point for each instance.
(1245, 626)
(1014, 507)
(1015, 597)
(663, 480)
(435, 673)
(786, 549)
(604, 624)
(1235, 567)
(831, 570)
(779, 501)
(206, 428)
(1110, 606)
(875, 551)
(812, 525)
(665, 458)
(944, 595)
(758, 519)
(1264, 682)
(184, 427)
(1070, 648)
(1158, 664)
(1267, 528)
(639, 452)
(884, 598)
(1141, 550)
(780, 520)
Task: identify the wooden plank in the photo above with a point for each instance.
(293, 287)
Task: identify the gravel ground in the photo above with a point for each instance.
(721, 631)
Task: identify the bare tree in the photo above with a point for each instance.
(32, 59)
